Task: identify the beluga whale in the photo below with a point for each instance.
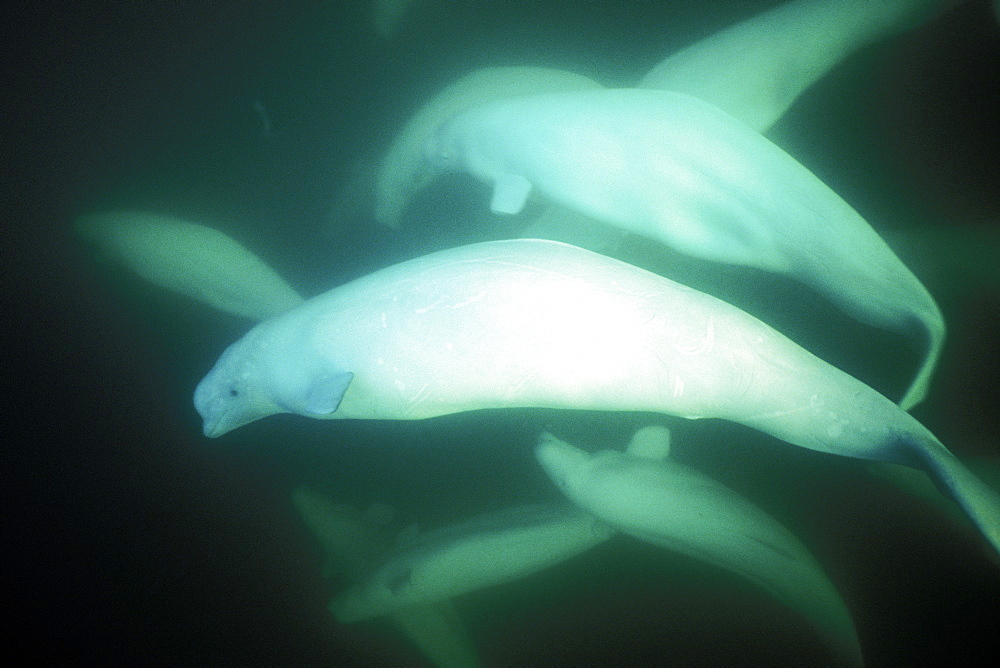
(756, 69)
(352, 541)
(191, 259)
(483, 551)
(402, 171)
(667, 503)
(676, 169)
(535, 323)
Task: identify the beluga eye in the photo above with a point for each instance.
(440, 152)
(233, 392)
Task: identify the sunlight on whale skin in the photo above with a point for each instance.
(755, 70)
(681, 509)
(402, 171)
(352, 541)
(533, 323)
(676, 169)
(481, 552)
(191, 259)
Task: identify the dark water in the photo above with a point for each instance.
(134, 539)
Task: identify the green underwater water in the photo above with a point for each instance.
(150, 542)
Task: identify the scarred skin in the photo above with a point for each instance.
(532, 323)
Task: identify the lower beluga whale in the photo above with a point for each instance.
(483, 551)
(675, 506)
(352, 540)
(534, 323)
(683, 172)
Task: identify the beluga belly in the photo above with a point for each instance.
(533, 323)
(679, 170)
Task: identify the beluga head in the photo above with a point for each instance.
(229, 396)
(265, 373)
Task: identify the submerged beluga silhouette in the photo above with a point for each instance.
(756, 69)
(352, 540)
(533, 323)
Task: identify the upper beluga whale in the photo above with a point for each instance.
(484, 551)
(679, 170)
(756, 69)
(402, 171)
(191, 259)
(532, 323)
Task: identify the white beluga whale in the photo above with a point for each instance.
(533, 323)
(403, 170)
(352, 541)
(756, 69)
(191, 259)
(753, 70)
(484, 551)
(674, 506)
(673, 168)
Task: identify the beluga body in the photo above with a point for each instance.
(533, 323)
(683, 172)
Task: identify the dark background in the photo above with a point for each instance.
(133, 539)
